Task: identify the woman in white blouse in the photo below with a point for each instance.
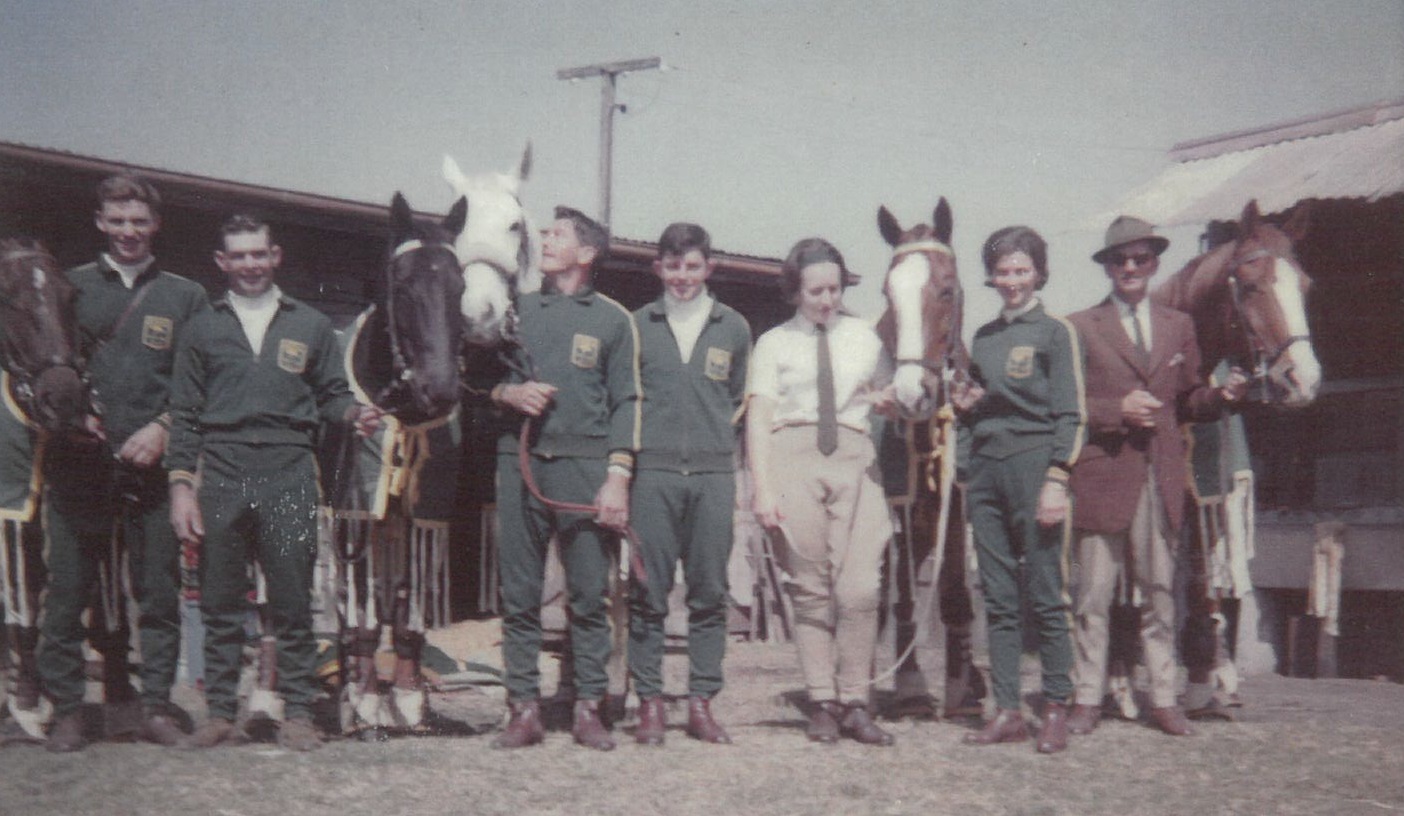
(812, 461)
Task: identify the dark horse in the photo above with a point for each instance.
(43, 392)
(921, 330)
(1247, 297)
(38, 336)
(404, 356)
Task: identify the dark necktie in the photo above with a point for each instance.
(1140, 337)
(828, 411)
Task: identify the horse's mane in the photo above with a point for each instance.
(1191, 284)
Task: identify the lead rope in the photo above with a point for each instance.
(941, 461)
(529, 479)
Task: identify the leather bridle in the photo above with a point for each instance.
(1264, 356)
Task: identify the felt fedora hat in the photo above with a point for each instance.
(1127, 229)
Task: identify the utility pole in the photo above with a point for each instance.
(609, 72)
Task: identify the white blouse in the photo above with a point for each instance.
(784, 367)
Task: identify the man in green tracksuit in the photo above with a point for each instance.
(255, 378)
(130, 317)
(582, 349)
(693, 352)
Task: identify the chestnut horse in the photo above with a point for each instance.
(1248, 301)
(1247, 298)
(43, 391)
(921, 331)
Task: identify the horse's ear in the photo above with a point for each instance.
(401, 218)
(941, 221)
(452, 174)
(888, 226)
(1249, 220)
(457, 217)
(524, 172)
(1300, 223)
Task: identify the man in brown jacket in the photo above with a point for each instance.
(1142, 381)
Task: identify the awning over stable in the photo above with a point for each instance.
(1350, 154)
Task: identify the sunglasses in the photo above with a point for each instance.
(1140, 259)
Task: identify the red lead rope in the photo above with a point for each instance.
(529, 479)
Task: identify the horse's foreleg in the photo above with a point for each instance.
(264, 701)
(111, 636)
(408, 691)
(965, 685)
(22, 571)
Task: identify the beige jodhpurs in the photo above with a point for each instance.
(837, 526)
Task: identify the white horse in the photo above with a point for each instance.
(499, 248)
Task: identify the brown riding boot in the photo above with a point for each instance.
(218, 731)
(1171, 720)
(1053, 736)
(824, 722)
(1007, 726)
(588, 730)
(1083, 719)
(858, 724)
(524, 728)
(161, 727)
(701, 726)
(67, 734)
(653, 719)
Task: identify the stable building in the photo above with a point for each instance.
(1332, 473)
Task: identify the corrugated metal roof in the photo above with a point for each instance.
(1279, 166)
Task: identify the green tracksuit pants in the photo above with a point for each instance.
(688, 517)
(1003, 499)
(525, 528)
(90, 500)
(258, 503)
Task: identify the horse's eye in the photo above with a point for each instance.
(516, 227)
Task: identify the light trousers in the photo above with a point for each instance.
(1142, 555)
(837, 526)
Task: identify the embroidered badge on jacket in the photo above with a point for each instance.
(718, 363)
(156, 332)
(1020, 362)
(292, 356)
(585, 351)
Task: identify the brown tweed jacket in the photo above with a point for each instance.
(1109, 475)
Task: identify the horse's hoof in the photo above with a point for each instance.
(375, 734)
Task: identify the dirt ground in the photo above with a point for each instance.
(1297, 747)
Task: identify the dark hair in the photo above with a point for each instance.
(1009, 240)
(588, 231)
(243, 222)
(682, 237)
(128, 187)
(808, 252)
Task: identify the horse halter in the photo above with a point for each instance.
(1264, 356)
(511, 322)
(924, 246)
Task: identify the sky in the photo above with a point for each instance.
(773, 121)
